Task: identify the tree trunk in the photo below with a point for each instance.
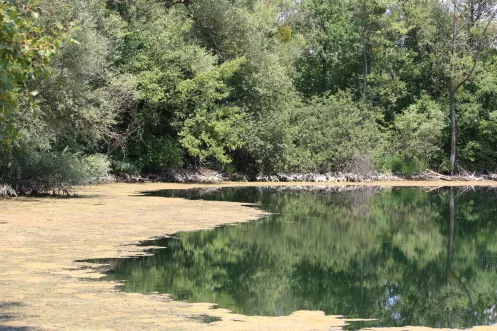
(365, 77)
(453, 136)
(452, 93)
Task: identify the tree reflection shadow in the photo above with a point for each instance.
(397, 255)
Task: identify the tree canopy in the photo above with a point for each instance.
(247, 86)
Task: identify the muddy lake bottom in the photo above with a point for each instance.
(398, 256)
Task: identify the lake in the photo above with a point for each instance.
(401, 256)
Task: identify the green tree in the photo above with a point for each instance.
(24, 54)
(333, 57)
(470, 36)
(330, 132)
(60, 131)
(417, 136)
(210, 129)
(184, 91)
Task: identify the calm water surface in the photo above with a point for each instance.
(402, 256)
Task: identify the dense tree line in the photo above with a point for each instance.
(253, 86)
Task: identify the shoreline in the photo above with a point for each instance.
(403, 183)
(44, 288)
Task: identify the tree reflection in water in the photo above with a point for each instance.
(403, 256)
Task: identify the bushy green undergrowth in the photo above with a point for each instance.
(32, 171)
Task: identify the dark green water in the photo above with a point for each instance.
(402, 256)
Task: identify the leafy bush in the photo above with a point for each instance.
(97, 166)
(408, 167)
(122, 167)
(151, 153)
(329, 132)
(266, 140)
(417, 137)
(30, 170)
(479, 153)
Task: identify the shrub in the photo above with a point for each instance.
(33, 171)
(407, 167)
(417, 137)
(331, 132)
(122, 167)
(266, 140)
(97, 166)
(154, 153)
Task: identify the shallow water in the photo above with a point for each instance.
(402, 256)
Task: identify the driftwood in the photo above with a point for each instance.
(328, 177)
(7, 191)
(463, 176)
(204, 175)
